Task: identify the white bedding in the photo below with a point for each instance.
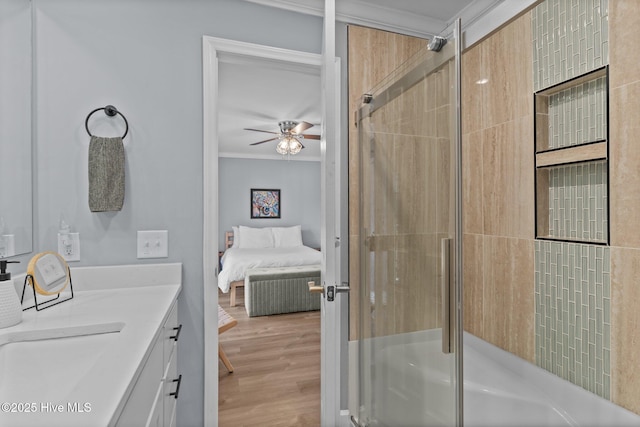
(236, 261)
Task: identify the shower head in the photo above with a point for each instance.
(436, 43)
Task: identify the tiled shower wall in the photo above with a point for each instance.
(573, 313)
(365, 71)
(578, 201)
(571, 37)
(499, 193)
(572, 280)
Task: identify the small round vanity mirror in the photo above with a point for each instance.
(49, 273)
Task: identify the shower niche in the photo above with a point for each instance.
(571, 160)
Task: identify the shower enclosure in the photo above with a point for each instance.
(409, 327)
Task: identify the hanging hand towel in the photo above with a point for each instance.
(106, 174)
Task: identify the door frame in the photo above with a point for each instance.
(215, 50)
(334, 315)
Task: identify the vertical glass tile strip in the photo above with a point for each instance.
(570, 38)
(573, 313)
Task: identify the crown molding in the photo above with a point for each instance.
(493, 19)
(362, 13)
(479, 18)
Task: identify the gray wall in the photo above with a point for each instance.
(299, 184)
(15, 125)
(144, 57)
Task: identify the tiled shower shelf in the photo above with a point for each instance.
(572, 202)
(571, 160)
(572, 240)
(574, 154)
(572, 114)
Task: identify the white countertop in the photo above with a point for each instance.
(106, 384)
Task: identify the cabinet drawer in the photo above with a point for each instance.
(171, 333)
(156, 417)
(171, 388)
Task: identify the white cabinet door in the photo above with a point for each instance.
(142, 398)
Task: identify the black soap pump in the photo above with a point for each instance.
(10, 307)
(3, 269)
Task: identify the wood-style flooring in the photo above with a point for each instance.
(276, 361)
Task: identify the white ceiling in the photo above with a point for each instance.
(258, 95)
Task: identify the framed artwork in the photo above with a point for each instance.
(265, 203)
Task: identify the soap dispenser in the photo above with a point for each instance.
(10, 307)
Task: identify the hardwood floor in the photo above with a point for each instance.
(276, 361)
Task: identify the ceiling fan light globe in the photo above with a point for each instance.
(282, 147)
(290, 137)
(295, 146)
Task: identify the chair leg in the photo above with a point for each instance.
(225, 359)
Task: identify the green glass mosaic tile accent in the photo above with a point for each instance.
(572, 313)
(578, 200)
(578, 114)
(570, 38)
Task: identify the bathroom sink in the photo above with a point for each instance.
(39, 366)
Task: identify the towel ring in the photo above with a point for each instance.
(110, 111)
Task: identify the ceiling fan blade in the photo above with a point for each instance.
(301, 127)
(311, 136)
(260, 130)
(262, 142)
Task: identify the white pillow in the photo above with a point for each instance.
(255, 238)
(236, 237)
(287, 237)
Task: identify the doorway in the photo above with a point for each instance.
(216, 52)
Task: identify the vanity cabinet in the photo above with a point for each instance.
(153, 399)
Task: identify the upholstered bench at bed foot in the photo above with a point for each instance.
(280, 290)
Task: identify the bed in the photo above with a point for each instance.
(260, 248)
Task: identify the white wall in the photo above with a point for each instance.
(299, 185)
(144, 57)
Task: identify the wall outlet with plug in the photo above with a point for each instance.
(69, 246)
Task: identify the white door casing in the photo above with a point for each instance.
(334, 333)
(217, 50)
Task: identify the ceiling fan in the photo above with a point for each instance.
(290, 136)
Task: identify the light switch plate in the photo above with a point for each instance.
(153, 244)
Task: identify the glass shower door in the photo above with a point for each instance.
(408, 355)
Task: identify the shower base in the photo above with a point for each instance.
(409, 384)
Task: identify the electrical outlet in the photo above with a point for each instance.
(153, 244)
(69, 246)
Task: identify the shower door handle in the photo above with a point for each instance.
(445, 267)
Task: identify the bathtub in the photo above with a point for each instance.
(408, 384)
